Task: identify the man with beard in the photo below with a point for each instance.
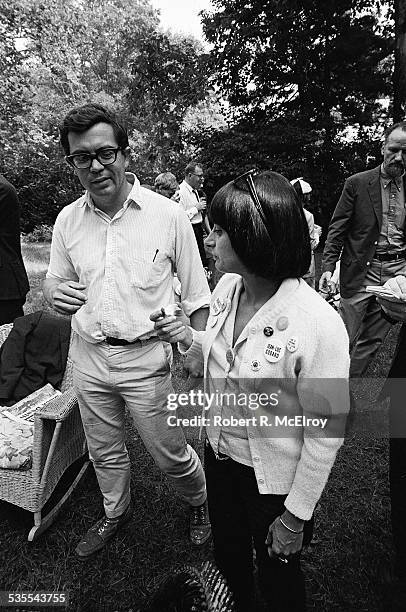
(367, 231)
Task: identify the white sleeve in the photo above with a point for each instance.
(323, 391)
(60, 264)
(195, 290)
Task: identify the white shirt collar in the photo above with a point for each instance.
(135, 195)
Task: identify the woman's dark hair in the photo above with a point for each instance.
(299, 191)
(281, 252)
(84, 117)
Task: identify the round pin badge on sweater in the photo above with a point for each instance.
(292, 344)
(217, 306)
(255, 365)
(274, 351)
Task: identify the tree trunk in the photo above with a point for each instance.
(399, 73)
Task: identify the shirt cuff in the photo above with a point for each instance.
(183, 350)
(195, 349)
(192, 212)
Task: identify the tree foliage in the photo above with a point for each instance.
(399, 73)
(304, 80)
(56, 54)
(294, 76)
(310, 58)
(168, 78)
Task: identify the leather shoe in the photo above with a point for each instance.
(200, 528)
(102, 532)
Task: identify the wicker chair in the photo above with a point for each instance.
(58, 441)
(191, 589)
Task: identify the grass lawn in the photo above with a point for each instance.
(343, 565)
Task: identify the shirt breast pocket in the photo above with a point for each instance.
(148, 269)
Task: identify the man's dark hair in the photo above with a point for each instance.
(391, 128)
(191, 167)
(82, 118)
(282, 253)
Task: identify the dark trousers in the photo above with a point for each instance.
(198, 230)
(396, 388)
(10, 310)
(240, 518)
(397, 474)
(397, 479)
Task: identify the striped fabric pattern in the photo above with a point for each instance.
(127, 263)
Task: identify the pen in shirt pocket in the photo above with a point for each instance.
(156, 253)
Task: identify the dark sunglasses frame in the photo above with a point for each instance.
(248, 177)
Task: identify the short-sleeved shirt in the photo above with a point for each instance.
(127, 262)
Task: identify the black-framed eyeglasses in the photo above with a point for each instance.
(105, 157)
(248, 179)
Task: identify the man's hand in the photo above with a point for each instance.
(66, 297)
(396, 310)
(201, 205)
(326, 284)
(171, 329)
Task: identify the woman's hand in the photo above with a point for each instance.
(171, 329)
(282, 542)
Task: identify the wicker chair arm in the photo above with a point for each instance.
(59, 408)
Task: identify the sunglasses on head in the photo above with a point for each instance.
(247, 180)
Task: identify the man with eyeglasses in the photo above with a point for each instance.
(192, 204)
(367, 231)
(113, 254)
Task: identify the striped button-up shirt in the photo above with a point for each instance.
(391, 237)
(127, 262)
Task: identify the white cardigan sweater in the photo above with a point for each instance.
(296, 463)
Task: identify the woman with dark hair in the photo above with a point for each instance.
(275, 360)
(303, 190)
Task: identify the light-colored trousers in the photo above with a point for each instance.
(107, 379)
(362, 315)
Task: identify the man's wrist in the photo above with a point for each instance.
(184, 345)
(48, 290)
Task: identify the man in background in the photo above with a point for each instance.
(14, 284)
(191, 203)
(167, 185)
(368, 231)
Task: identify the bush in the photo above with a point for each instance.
(32, 161)
(42, 233)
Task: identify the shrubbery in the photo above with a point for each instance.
(42, 233)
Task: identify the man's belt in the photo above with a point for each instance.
(390, 256)
(122, 342)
